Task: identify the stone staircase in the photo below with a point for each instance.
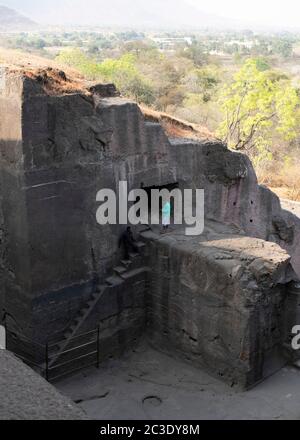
(124, 271)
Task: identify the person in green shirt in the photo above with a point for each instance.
(166, 216)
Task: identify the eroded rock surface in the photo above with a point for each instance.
(59, 146)
(219, 301)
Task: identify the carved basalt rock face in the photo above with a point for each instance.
(58, 147)
(104, 90)
(283, 231)
(218, 301)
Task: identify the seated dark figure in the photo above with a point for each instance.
(129, 243)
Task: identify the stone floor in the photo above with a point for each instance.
(146, 384)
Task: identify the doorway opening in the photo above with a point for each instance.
(169, 187)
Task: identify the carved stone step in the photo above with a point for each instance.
(140, 244)
(142, 228)
(120, 269)
(134, 272)
(114, 280)
(128, 270)
(133, 255)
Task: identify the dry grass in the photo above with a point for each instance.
(20, 60)
(48, 73)
(287, 193)
(176, 127)
(284, 180)
(56, 82)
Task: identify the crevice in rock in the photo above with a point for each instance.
(89, 399)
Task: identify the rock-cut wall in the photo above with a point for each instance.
(219, 302)
(57, 151)
(58, 148)
(233, 195)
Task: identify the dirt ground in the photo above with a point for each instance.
(148, 385)
(287, 193)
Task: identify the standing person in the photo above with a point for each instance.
(166, 216)
(129, 243)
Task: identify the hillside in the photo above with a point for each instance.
(10, 20)
(55, 82)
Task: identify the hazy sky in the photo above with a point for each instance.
(284, 13)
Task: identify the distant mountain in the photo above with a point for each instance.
(123, 13)
(10, 20)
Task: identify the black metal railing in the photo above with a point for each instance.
(51, 361)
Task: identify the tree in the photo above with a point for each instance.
(140, 89)
(93, 49)
(121, 71)
(207, 81)
(196, 53)
(77, 59)
(262, 64)
(283, 47)
(259, 106)
(124, 73)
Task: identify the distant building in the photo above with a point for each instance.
(169, 43)
(248, 44)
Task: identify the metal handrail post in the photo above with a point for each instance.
(98, 347)
(47, 361)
